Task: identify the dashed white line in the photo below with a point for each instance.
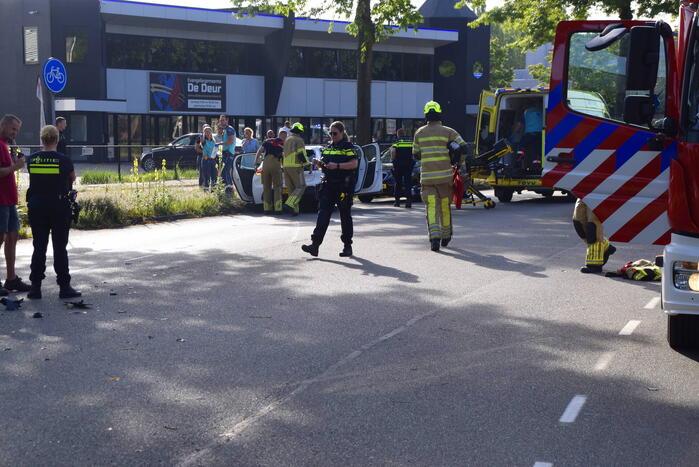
(543, 464)
(603, 361)
(629, 328)
(574, 407)
(652, 303)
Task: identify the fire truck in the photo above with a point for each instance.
(636, 167)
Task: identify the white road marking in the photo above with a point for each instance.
(603, 361)
(140, 257)
(240, 427)
(574, 407)
(543, 464)
(652, 303)
(629, 328)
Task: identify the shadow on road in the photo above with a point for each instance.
(373, 269)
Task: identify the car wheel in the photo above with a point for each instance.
(148, 163)
(366, 198)
(504, 194)
(683, 331)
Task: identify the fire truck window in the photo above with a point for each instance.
(597, 80)
(692, 109)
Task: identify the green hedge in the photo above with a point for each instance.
(102, 177)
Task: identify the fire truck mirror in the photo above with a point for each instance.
(643, 60)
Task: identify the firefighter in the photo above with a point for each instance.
(270, 156)
(432, 145)
(294, 161)
(403, 164)
(339, 164)
(589, 228)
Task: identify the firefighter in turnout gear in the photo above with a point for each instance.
(294, 162)
(403, 165)
(51, 177)
(270, 156)
(432, 145)
(589, 228)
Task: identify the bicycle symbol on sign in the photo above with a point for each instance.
(55, 74)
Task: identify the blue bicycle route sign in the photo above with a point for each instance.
(55, 75)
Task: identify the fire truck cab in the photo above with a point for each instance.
(637, 166)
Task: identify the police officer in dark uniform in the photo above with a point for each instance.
(51, 177)
(61, 124)
(339, 163)
(403, 164)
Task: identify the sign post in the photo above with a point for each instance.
(55, 78)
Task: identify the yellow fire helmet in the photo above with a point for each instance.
(433, 106)
(297, 128)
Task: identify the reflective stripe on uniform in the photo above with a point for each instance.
(44, 170)
(436, 174)
(446, 214)
(424, 139)
(595, 253)
(435, 159)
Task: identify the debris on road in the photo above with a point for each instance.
(11, 305)
(81, 304)
(179, 339)
(37, 315)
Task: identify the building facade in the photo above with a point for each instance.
(140, 74)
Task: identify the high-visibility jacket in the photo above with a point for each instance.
(295, 152)
(430, 146)
(404, 154)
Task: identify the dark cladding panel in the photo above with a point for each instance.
(77, 33)
(277, 52)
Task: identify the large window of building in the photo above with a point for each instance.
(311, 62)
(184, 55)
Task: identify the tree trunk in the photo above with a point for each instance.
(365, 36)
(625, 11)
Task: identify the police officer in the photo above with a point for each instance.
(294, 161)
(432, 145)
(339, 164)
(589, 229)
(51, 177)
(403, 164)
(271, 154)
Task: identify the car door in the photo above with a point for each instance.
(244, 175)
(609, 156)
(177, 150)
(372, 180)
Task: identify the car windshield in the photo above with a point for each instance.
(386, 156)
(181, 141)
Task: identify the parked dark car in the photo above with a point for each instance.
(389, 182)
(180, 152)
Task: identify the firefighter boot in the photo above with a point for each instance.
(35, 291)
(346, 251)
(434, 244)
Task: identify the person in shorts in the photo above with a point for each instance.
(9, 220)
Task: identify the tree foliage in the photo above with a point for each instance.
(537, 19)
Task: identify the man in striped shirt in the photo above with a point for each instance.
(431, 146)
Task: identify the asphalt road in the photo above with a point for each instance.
(218, 342)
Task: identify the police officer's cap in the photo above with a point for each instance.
(297, 128)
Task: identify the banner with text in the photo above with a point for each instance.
(178, 92)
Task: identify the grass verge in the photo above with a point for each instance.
(128, 205)
(102, 177)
